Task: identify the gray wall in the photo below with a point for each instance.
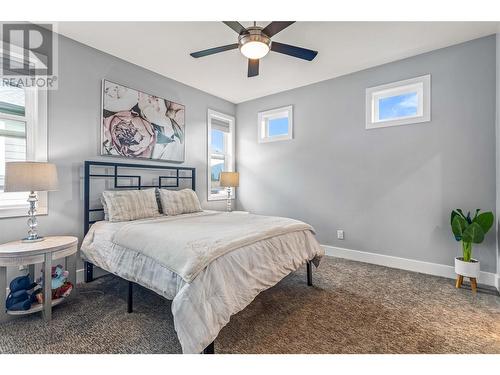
(390, 189)
(73, 127)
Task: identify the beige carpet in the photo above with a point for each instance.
(353, 308)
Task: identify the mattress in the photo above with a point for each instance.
(202, 307)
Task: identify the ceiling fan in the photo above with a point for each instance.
(255, 42)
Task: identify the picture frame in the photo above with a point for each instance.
(138, 125)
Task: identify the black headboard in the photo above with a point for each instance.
(119, 171)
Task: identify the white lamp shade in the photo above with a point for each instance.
(30, 176)
(229, 179)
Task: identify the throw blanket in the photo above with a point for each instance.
(187, 245)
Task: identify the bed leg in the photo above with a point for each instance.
(309, 273)
(89, 272)
(210, 349)
(130, 297)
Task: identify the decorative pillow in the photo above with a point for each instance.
(176, 202)
(105, 208)
(126, 205)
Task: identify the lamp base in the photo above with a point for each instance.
(28, 240)
(228, 200)
(32, 222)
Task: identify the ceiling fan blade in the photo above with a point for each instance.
(236, 26)
(287, 49)
(275, 27)
(211, 51)
(253, 67)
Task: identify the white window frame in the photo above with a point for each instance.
(36, 144)
(229, 152)
(263, 119)
(421, 85)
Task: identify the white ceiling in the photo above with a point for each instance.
(344, 47)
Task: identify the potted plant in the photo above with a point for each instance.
(469, 231)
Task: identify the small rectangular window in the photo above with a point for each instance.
(399, 106)
(399, 103)
(275, 124)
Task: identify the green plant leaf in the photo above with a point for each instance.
(458, 227)
(473, 233)
(485, 221)
(475, 215)
(461, 213)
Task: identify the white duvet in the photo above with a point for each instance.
(204, 299)
(186, 245)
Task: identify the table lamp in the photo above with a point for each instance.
(33, 177)
(229, 180)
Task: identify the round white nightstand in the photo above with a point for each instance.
(19, 253)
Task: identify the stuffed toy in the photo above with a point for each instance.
(59, 276)
(22, 294)
(60, 286)
(63, 291)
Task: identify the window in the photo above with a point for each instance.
(23, 136)
(275, 124)
(220, 152)
(399, 103)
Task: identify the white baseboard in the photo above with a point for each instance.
(485, 278)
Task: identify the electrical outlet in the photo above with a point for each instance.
(340, 234)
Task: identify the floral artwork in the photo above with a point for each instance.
(139, 125)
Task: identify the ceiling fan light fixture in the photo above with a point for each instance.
(254, 50)
(254, 44)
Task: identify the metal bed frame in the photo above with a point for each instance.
(116, 176)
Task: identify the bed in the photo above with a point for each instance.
(210, 264)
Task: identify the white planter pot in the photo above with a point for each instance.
(468, 269)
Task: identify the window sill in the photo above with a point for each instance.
(397, 122)
(277, 138)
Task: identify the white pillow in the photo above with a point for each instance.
(105, 208)
(126, 205)
(176, 202)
